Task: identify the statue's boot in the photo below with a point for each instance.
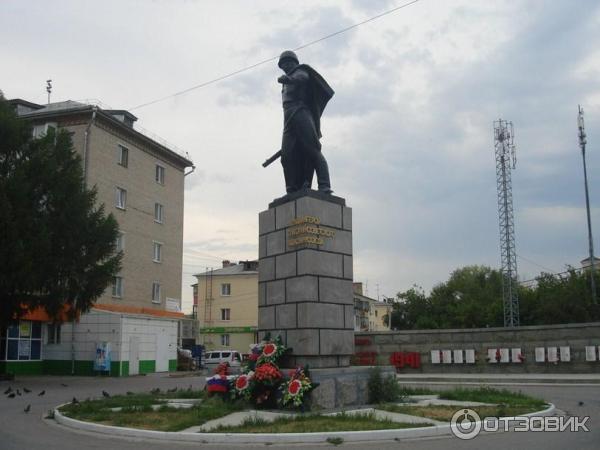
(322, 170)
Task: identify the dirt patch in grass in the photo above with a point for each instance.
(444, 413)
(316, 423)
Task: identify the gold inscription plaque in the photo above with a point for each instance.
(307, 230)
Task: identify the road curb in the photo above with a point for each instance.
(265, 438)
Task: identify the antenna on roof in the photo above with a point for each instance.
(49, 89)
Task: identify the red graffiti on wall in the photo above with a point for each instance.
(365, 358)
(362, 341)
(401, 359)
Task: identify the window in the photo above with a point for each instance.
(44, 129)
(117, 287)
(24, 341)
(225, 340)
(120, 242)
(157, 252)
(226, 289)
(122, 155)
(53, 333)
(159, 212)
(225, 314)
(156, 292)
(121, 200)
(160, 174)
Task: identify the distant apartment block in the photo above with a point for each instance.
(226, 306)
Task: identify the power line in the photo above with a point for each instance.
(536, 264)
(252, 66)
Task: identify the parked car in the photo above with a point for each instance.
(213, 358)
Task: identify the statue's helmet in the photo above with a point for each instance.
(288, 54)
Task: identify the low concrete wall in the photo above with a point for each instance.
(383, 347)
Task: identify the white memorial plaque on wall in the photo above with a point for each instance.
(435, 356)
(504, 355)
(458, 356)
(492, 355)
(447, 356)
(552, 354)
(540, 355)
(590, 353)
(514, 355)
(565, 354)
(470, 356)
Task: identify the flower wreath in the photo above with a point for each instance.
(297, 387)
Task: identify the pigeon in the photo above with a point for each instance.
(64, 385)
(8, 391)
(172, 390)
(41, 393)
(12, 395)
(75, 401)
(105, 394)
(580, 403)
(155, 391)
(18, 392)
(27, 391)
(27, 409)
(129, 393)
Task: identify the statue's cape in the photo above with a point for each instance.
(319, 93)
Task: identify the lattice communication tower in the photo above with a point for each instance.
(506, 161)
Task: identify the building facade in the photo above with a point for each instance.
(140, 180)
(370, 314)
(226, 305)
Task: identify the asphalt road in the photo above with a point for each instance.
(30, 431)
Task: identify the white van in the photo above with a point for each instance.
(215, 357)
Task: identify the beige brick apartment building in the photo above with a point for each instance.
(141, 182)
(226, 306)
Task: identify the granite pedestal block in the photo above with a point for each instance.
(347, 386)
(305, 278)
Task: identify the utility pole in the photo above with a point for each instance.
(582, 142)
(506, 161)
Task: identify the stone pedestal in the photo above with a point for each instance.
(305, 278)
(345, 386)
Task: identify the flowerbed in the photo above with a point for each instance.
(262, 382)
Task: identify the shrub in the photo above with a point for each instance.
(382, 389)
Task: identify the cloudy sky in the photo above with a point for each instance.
(408, 134)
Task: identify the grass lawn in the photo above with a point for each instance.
(138, 413)
(316, 423)
(508, 403)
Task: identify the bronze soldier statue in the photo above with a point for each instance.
(304, 95)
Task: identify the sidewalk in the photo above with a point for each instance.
(499, 379)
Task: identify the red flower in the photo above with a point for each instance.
(253, 356)
(242, 382)
(267, 371)
(269, 350)
(294, 387)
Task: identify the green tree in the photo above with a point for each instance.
(561, 299)
(57, 247)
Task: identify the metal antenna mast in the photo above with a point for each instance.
(506, 161)
(49, 89)
(582, 142)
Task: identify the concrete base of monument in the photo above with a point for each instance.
(343, 386)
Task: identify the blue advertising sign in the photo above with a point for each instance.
(102, 359)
